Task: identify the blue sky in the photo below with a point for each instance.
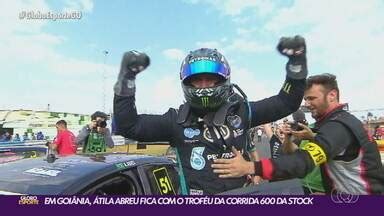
(62, 63)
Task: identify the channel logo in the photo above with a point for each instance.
(28, 200)
(341, 197)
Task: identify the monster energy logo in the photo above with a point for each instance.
(287, 87)
(205, 101)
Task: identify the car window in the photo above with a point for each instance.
(118, 185)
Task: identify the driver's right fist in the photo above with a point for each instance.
(292, 47)
(295, 49)
(133, 63)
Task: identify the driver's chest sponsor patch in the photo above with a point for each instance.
(234, 121)
(197, 160)
(190, 132)
(224, 133)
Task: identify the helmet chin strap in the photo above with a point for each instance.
(240, 91)
(219, 118)
(232, 101)
(183, 113)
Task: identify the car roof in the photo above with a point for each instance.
(37, 176)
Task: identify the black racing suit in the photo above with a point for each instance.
(350, 162)
(198, 141)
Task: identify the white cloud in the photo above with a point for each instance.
(78, 5)
(168, 94)
(169, 91)
(243, 45)
(192, 1)
(174, 54)
(10, 21)
(253, 88)
(240, 44)
(345, 38)
(209, 44)
(241, 20)
(244, 31)
(236, 7)
(23, 40)
(33, 64)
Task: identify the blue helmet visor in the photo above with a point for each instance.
(204, 66)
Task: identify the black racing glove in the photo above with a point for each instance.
(294, 48)
(133, 62)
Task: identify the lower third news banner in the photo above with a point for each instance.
(338, 203)
(200, 200)
(187, 200)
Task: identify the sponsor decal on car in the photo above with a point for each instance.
(43, 171)
(124, 165)
(164, 183)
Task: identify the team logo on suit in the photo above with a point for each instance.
(224, 132)
(197, 160)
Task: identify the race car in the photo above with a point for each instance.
(97, 174)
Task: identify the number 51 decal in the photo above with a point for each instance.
(163, 181)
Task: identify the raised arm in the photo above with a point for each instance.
(128, 123)
(291, 94)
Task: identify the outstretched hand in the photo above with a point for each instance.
(234, 167)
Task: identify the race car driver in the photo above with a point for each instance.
(214, 118)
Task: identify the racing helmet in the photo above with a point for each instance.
(206, 61)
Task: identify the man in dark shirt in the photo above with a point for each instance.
(214, 118)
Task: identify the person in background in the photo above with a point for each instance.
(64, 143)
(350, 162)
(16, 138)
(95, 137)
(6, 137)
(25, 137)
(40, 135)
(259, 134)
(275, 138)
(312, 182)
